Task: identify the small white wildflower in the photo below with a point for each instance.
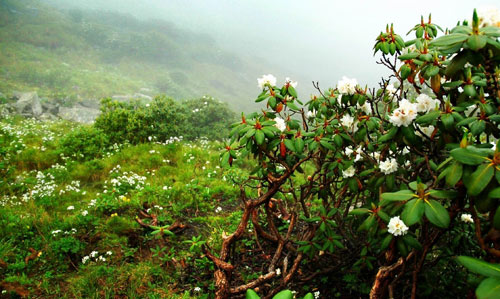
(93, 253)
(218, 210)
(467, 218)
(85, 259)
(85, 213)
(397, 227)
(70, 208)
(349, 172)
(278, 272)
(316, 294)
(197, 289)
(109, 253)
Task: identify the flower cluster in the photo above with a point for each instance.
(266, 80)
(397, 227)
(405, 114)
(347, 86)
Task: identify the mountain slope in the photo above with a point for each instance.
(92, 54)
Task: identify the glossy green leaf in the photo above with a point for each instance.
(259, 136)
(479, 179)
(489, 289)
(285, 294)
(413, 211)
(251, 294)
(479, 266)
(437, 214)
(454, 173)
(469, 155)
(402, 195)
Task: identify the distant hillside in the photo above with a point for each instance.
(92, 54)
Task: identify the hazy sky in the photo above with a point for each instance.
(318, 39)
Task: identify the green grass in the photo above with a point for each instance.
(63, 213)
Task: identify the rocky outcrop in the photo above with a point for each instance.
(79, 113)
(85, 111)
(28, 104)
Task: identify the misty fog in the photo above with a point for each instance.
(308, 40)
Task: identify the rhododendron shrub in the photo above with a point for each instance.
(379, 181)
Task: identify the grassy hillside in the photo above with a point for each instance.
(93, 54)
(68, 224)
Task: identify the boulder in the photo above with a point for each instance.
(79, 113)
(28, 104)
(51, 108)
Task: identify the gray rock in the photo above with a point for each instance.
(28, 104)
(47, 116)
(90, 103)
(50, 108)
(79, 113)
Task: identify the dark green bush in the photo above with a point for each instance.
(85, 143)
(163, 119)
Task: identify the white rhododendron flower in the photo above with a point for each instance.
(425, 103)
(391, 89)
(467, 218)
(348, 122)
(266, 79)
(389, 166)
(366, 108)
(347, 86)
(292, 83)
(349, 172)
(280, 124)
(397, 227)
(426, 130)
(404, 115)
(311, 114)
(488, 16)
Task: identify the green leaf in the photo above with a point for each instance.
(432, 71)
(413, 211)
(476, 42)
(443, 194)
(251, 294)
(437, 214)
(449, 40)
(386, 241)
(285, 294)
(469, 155)
(389, 135)
(308, 296)
(428, 118)
(489, 289)
(448, 121)
(289, 145)
(396, 196)
(477, 127)
(259, 136)
(272, 102)
(479, 179)
(292, 91)
(360, 211)
(412, 242)
(479, 266)
(327, 144)
(495, 193)
(409, 56)
(299, 145)
(292, 105)
(455, 171)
